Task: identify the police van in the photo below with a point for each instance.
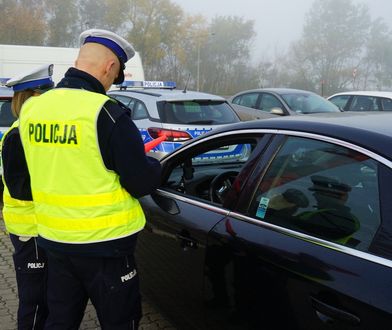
(158, 108)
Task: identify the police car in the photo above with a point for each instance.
(158, 108)
(6, 117)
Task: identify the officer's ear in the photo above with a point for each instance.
(111, 68)
(109, 73)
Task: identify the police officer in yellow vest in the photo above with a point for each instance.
(18, 211)
(85, 197)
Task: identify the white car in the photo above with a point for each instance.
(160, 109)
(363, 101)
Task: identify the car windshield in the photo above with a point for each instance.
(6, 117)
(197, 112)
(308, 103)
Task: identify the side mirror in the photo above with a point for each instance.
(277, 111)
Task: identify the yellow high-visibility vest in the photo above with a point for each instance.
(18, 215)
(76, 198)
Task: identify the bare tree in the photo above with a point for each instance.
(22, 22)
(332, 44)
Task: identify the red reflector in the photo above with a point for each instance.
(171, 135)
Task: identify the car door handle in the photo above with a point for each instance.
(187, 242)
(328, 314)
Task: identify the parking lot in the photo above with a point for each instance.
(151, 320)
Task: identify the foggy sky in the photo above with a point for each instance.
(277, 22)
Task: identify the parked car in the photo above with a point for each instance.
(363, 101)
(296, 234)
(6, 118)
(158, 108)
(267, 102)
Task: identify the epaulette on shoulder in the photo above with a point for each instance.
(119, 103)
(116, 108)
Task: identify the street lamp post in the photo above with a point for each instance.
(198, 58)
(198, 67)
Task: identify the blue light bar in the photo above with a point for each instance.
(148, 84)
(3, 81)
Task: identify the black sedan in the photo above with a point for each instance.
(281, 223)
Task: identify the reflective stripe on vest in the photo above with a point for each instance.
(76, 198)
(18, 215)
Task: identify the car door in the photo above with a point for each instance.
(386, 104)
(307, 246)
(364, 103)
(141, 118)
(271, 104)
(341, 101)
(246, 105)
(172, 251)
(249, 100)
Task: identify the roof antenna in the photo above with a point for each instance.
(186, 85)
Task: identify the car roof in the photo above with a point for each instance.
(277, 90)
(369, 130)
(169, 94)
(365, 93)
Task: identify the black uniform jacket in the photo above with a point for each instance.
(122, 151)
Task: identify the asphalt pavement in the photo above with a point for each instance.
(152, 319)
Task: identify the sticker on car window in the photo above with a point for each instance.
(262, 208)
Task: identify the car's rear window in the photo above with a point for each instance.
(6, 117)
(196, 112)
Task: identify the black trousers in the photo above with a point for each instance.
(112, 285)
(31, 270)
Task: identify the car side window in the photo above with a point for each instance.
(323, 190)
(364, 103)
(247, 100)
(386, 104)
(139, 111)
(340, 101)
(209, 173)
(269, 102)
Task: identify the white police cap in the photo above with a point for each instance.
(38, 78)
(118, 45)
